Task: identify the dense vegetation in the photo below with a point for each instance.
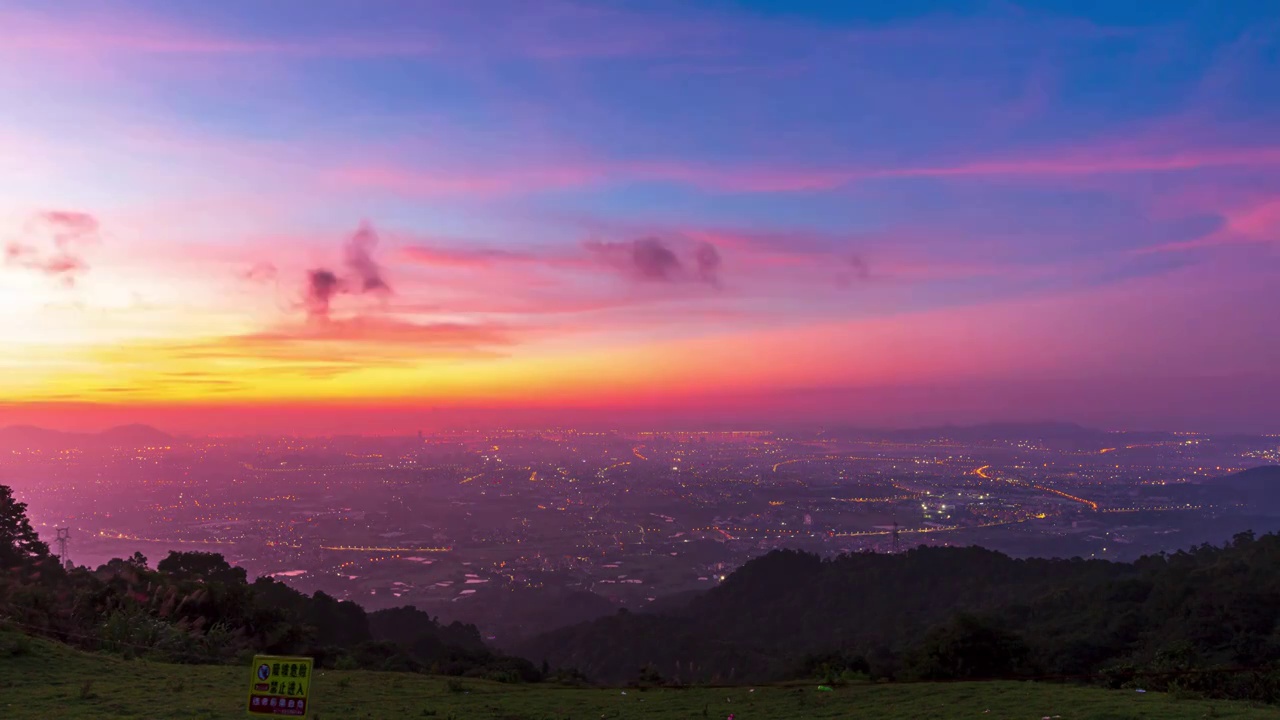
(1177, 621)
(195, 607)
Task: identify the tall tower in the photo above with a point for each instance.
(897, 545)
(64, 537)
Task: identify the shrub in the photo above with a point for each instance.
(14, 645)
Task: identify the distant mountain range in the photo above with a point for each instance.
(1063, 435)
(29, 437)
(1057, 435)
(1002, 431)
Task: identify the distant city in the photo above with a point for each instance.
(470, 524)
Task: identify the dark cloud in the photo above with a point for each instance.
(363, 275)
(651, 260)
(261, 272)
(856, 270)
(67, 232)
(358, 255)
(858, 265)
(322, 285)
(707, 260)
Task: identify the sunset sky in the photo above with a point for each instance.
(322, 216)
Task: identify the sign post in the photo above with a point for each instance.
(280, 686)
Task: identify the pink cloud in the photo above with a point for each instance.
(1255, 222)
(886, 255)
(1098, 163)
(465, 257)
(68, 232)
(734, 179)
(417, 183)
(1089, 161)
(1260, 221)
(1100, 160)
(261, 272)
(562, 303)
(376, 330)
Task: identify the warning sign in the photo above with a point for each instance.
(280, 685)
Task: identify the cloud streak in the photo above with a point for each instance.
(1085, 161)
(1254, 223)
(330, 349)
(434, 256)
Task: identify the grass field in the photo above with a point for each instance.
(40, 679)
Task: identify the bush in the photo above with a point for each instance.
(567, 676)
(14, 645)
(849, 677)
(968, 648)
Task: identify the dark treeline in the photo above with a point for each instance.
(1166, 621)
(195, 607)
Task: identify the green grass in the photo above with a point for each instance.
(40, 679)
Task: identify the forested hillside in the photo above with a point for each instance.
(936, 613)
(196, 608)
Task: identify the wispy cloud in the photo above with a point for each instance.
(1254, 223)
(457, 257)
(1101, 160)
(53, 244)
(327, 350)
(415, 182)
(379, 335)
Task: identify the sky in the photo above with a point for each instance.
(322, 216)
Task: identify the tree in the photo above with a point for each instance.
(969, 648)
(211, 567)
(336, 622)
(19, 543)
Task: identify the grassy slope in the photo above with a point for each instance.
(47, 682)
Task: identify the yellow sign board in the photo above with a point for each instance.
(280, 686)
